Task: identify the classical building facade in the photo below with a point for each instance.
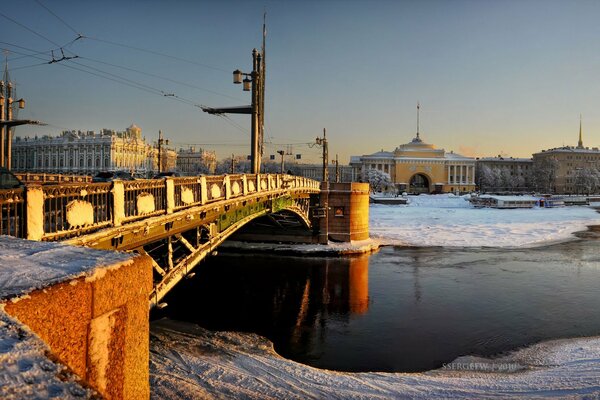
(193, 162)
(78, 152)
(418, 167)
(570, 165)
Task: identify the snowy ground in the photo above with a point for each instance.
(443, 220)
(190, 362)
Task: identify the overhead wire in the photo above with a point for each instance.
(28, 29)
(111, 76)
(160, 77)
(157, 53)
(57, 17)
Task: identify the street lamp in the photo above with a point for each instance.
(281, 153)
(6, 117)
(253, 81)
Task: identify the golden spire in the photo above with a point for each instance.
(580, 143)
(418, 107)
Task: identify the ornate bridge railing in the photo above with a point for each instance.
(56, 212)
(32, 177)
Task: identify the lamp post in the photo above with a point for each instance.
(337, 169)
(281, 153)
(161, 141)
(6, 122)
(323, 142)
(253, 82)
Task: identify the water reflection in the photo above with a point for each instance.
(290, 300)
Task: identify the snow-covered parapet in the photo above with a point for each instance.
(84, 311)
(26, 265)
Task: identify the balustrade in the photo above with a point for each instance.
(54, 212)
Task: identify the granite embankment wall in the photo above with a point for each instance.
(97, 325)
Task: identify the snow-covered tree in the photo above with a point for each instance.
(544, 174)
(379, 181)
(587, 180)
(487, 179)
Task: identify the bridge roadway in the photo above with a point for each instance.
(176, 221)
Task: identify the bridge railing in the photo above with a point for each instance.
(32, 177)
(72, 208)
(12, 205)
(144, 198)
(54, 212)
(188, 192)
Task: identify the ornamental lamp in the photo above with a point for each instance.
(237, 76)
(247, 84)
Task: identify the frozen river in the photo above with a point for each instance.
(416, 306)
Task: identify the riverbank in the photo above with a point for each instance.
(191, 362)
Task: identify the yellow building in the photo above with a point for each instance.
(418, 167)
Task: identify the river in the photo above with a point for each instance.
(402, 309)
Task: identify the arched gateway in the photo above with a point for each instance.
(419, 183)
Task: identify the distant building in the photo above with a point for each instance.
(504, 174)
(573, 166)
(78, 152)
(193, 162)
(418, 167)
(315, 171)
(168, 159)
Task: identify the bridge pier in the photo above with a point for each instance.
(323, 214)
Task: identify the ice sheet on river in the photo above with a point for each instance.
(446, 220)
(190, 362)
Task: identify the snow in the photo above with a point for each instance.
(27, 265)
(332, 248)
(451, 221)
(190, 362)
(27, 369)
(26, 372)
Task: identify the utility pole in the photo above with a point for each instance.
(232, 164)
(7, 121)
(161, 141)
(323, 142)
(6, 101)
(337, 169)
(255, 82)
(281, 153)
(256, 111)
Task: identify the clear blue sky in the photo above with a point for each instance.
(491, 76)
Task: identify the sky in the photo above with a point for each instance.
(492, 77)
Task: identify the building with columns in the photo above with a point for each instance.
(193, 162)
(78, 152)
(418, 167)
